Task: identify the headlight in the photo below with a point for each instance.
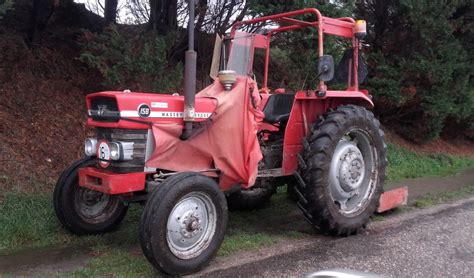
(90, 147)
(121, 150)
(114, 151)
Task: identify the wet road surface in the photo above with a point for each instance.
(438, 242)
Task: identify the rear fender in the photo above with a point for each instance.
(307, 108)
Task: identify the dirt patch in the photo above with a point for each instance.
(42, 109)
(420, 187)
(44, 262)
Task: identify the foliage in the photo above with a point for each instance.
(5, 6)
(427, 79)
(139, 63)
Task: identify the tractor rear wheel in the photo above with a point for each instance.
(84, 211)
(183, 223)
(254, 197)
(342, 170)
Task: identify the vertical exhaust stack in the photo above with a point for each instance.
(189, 77)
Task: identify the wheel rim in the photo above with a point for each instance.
(353, 172)
(93, 206)
(191, 225)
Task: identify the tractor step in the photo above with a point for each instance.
(270, 173)
(393, 198)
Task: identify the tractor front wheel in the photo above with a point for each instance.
(85, 211)
(183, 223)
(342, 170)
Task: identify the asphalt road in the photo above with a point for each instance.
(438, 242)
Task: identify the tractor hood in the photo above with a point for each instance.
(137, 110)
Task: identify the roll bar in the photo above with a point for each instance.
(343, 27)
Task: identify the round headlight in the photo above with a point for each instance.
(90, 146)
(114, 151)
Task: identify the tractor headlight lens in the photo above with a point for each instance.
(121, 150)
(114, 150)
(90, 146)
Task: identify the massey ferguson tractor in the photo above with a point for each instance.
(190, 157)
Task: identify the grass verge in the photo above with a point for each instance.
(434, 199)
(28, 222)
(404, 164)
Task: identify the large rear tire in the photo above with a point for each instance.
(183, 223)
(263, 189)
(254, 197)
(84, 211)
(342, 170)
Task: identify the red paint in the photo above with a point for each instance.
(110, 182)
(307, 107)
(393, 198)
(261, 41)
(131, 101)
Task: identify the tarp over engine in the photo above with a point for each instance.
(227, 141)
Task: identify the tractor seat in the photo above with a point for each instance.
(278, 107)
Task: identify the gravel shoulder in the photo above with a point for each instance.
(432, 242)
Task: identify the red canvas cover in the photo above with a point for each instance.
(227, 141)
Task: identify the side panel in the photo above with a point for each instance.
(307, 107)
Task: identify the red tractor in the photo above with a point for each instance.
(189, 157)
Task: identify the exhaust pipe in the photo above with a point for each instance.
(190, 59)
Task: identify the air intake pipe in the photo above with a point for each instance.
(190, 59)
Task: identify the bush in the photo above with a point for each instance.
(5, 6)
(138, 62)
(420, 74)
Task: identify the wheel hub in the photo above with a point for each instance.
(351, 169)
(351, 172)
(191, 225)
(91, 204)
(91, 197)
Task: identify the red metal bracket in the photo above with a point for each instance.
(393, 198)
(111, 183)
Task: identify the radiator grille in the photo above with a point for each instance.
(137, 136)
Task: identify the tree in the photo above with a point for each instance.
(163, 16)
(418, 69)
(110, 11)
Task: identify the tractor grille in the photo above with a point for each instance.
(104, 109)
(138, 137)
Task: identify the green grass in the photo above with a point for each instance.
(116, 263)
(28, 220)
(434, 199)
(238, 241)
(404, 164)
